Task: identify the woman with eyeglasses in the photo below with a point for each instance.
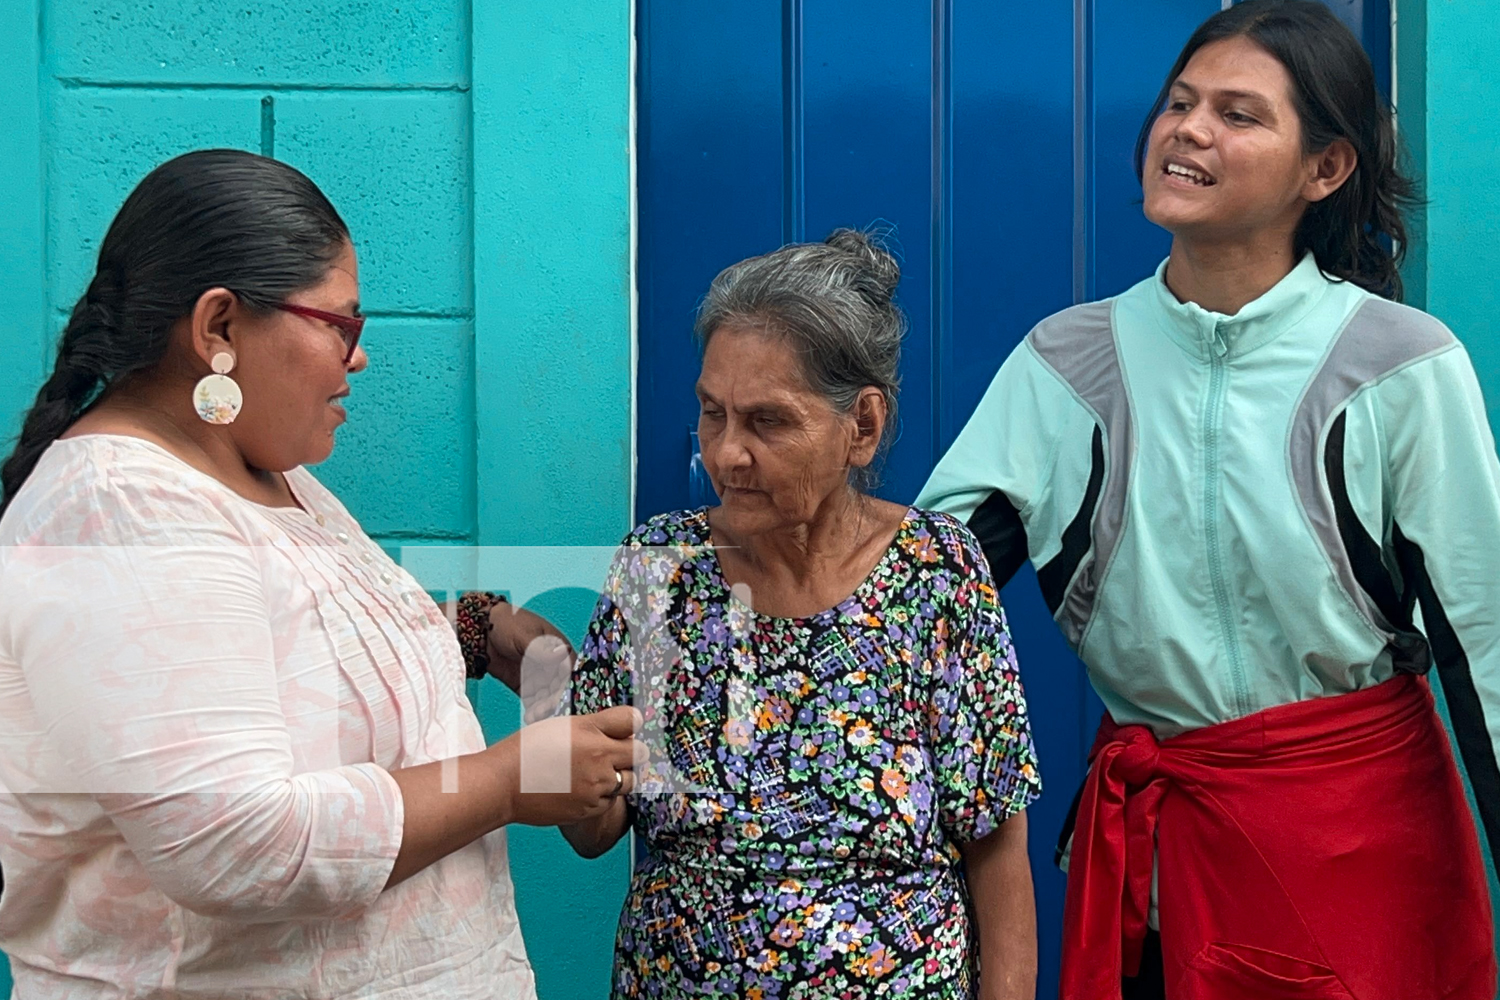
(1262, 498)
(235, 747)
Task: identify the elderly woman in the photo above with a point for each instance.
(235, 749)
(842, 753)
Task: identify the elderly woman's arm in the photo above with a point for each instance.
(516, 646)
(602, 677)
(987, 774)
(999, 877)
(593, 837)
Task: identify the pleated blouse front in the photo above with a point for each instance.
(201, 702)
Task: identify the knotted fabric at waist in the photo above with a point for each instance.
(1266, 827)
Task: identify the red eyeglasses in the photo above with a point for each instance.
(349, 327)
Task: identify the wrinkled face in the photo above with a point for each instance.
(775, 450)
(1225, 157)
(292, 373)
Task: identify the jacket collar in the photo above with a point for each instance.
(1207, 335)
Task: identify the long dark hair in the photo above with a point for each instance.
(1358, 233)
(209, 219)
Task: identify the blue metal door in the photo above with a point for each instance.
(995, 138)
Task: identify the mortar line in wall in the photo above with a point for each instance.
(49, 336)
(474, 459)
(171, 86)
(419, 313)
(633, 200)
(65, 311)
(268, 126)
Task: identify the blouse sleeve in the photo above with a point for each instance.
(145, 641)
(982, 748)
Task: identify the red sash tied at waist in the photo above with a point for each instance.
(1318, 849)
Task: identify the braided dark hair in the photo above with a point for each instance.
(209, 219)
(1358, 233)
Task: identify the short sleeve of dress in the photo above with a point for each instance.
(630, 638)
(601, 677)
(982, 747)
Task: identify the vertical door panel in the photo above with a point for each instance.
(1131, 57)
(1010, 264)
(866, 98)
(1012, 189)
(1370, 20)
(710, 148)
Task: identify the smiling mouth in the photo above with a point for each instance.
(1188, 174)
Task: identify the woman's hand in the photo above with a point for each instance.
(531, 656)
(572, 768)
(558, 771)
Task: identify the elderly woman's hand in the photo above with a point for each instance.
(530, 656)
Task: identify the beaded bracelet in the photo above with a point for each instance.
(472, 621)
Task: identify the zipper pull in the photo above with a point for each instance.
(1218, 344)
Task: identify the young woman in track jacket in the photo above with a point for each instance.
(1262, 498)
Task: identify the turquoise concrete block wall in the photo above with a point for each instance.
(480, 153)
(1460, 153)
(1445, 53)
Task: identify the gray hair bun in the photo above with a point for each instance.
(879, 273)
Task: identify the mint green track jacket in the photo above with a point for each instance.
(1230, 513)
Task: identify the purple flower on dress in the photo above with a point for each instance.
(921, 796)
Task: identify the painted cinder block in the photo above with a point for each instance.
(396, 165)
(99, 144)
(338, 42)
(404, 463)
(553, 260)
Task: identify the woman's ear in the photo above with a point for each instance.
(869, 424)
(1330, 169)
(210, 323)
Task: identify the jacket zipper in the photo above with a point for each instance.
(1213, 415)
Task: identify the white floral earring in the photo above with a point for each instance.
(217, 397)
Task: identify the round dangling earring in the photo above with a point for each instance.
(217, 397)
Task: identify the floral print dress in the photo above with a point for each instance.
(812, 779)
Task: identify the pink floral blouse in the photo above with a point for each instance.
(201, 700)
